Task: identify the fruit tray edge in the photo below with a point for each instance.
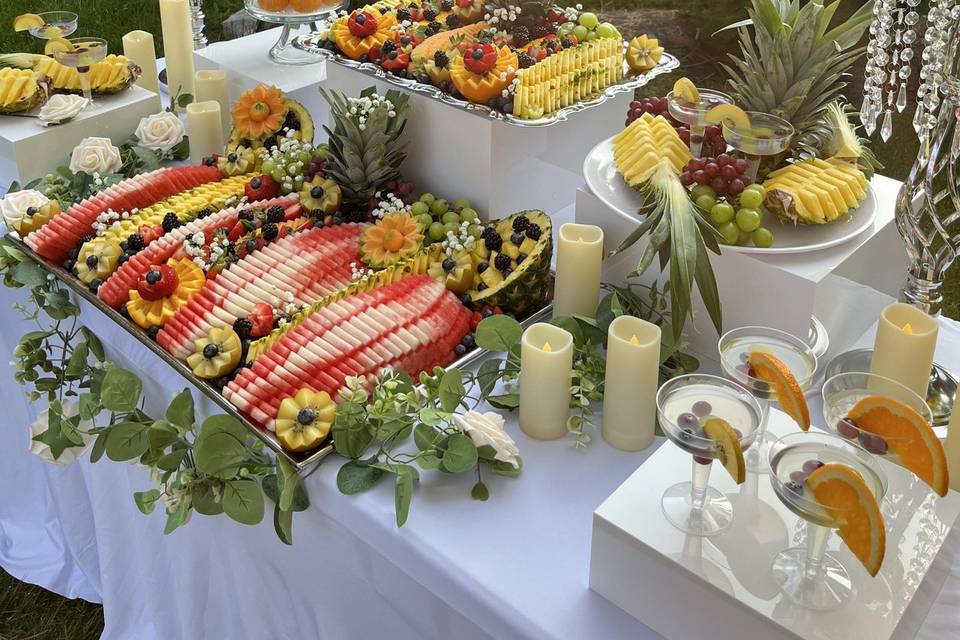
(630, 82)
(304, 463)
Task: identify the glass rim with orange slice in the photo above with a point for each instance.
(889, 420)
(47, 25)
(690, 105)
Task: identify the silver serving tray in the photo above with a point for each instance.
(629, 83)
(305, 463)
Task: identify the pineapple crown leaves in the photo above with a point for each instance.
(17, 61)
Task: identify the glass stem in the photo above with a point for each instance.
(698, 489)
(816, 544)
(753, 165)
(696, 141)
(85, 85)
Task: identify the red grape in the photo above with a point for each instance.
(741, 166)
(685, 135)
(719, 186)
(712, 169)
(736, 186)
(724, 159)
(700, 176)
(663, 104)
(728, 171)
(634, 104)
(712, 132)
(697, 164)
(686, 179)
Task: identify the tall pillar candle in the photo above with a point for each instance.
(546, 362)
(177, 28)
(904, 346)
(632, 378)
(951, 446)
(139, 47)
(579, 259)
(212, 85)
(204, 129)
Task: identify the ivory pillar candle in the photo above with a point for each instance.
(951, 446)
(204, 129)
(139, 47)
(579, 258)
(632, 378)
(177, 45)
(546, 361)
(904, 346)
(212, 85)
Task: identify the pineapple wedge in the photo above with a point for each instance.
(815, 191)
(639, 148)
(22, 90)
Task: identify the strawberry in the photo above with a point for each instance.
(536, 52)
(475, 320)
(159, 281)
(261, 188)
(261, 317)
(375, 53)
(464, 4)
(395, 61)
(362, 24)
(480, 58)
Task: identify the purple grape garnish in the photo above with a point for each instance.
(795, 487)
(688, 420)
(686, 434)
(811, 465)
(702, 408)
(873, 443)
(702, 460)
(847, 428)
(798, 477)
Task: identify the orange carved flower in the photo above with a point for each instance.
(259, 112)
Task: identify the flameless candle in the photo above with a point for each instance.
(177, 45)
(546, 361)
(204, 129)
(579, 258)
(139, 47)
(630, 389)
(212, 85)
(904, 346)
(951, 446)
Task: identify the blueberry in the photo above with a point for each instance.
(482, 286)
(69, 264)
(688, 420)
(811, 465)
(482, 267)
(486, 313)
(306, 416)
(847, 428)
(153, 276)
(316, 192)
(210, 351)
(506, 272)
(256, 183)
(153, 331)
(702, 408)
(459, 349)
(92, 261)
(95, 284)
(251, 245)
(448, 264)
(469, 341)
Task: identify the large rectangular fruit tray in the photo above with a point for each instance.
(304, 462)
(629, 83)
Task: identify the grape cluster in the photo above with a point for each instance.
(738, 224)
(725, 174)
(655, 107)
(713, 142)
(438, 217)
(314, 168)
(288, 163)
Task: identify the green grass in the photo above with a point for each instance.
(28, 612)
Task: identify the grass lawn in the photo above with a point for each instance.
(28, 612)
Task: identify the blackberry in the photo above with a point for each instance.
(448, 264)
(433, 29)
(430, 14)
(539, 31)
(502, 261)
(441, 59)
(446, 5)
(135, 243)
(403, 14)
(520, 223)
(459, 349)
(204, 213)
(469, 341)
(533, 231)
(453, 21)
(153, 331)
(270, 231)
(482, 267)
(275, 214)
(246, 214)
(493, 243)
(95, 284)
(489, 232)
(243, 327)
(526, 60)
(170, 222)
(516, 238)
(521, 36)
(388, 46)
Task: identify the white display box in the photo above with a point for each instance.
(501, 168)
(781, 291)
(247, 64)
(28, 150)
(722, 587)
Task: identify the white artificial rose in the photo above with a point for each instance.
(161, 131)
(95, 155)
(14, 206)
(487, 429)
(42, 450)
(62, 107)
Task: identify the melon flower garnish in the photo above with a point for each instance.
(486, 429)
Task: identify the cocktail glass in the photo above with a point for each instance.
(735, 347)
(695, 115)
(767, 135)
(844, 390)
(808, 576)
(86, 52)
(683, 405)
(56, 24)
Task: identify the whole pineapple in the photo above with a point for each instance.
(365, 152)
(793, 65)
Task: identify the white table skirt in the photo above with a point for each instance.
(514, 567)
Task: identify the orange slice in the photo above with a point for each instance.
(842, 492)
(57, 44)
(728, 444)
(908, 435)
(27, 21)
(784, 384)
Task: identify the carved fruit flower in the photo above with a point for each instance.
(217, 354)
(304, 421)
(259, 112)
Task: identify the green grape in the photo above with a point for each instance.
(706, 202)
(721, 213)
(425, 220)
(580, 32)
(748, 219)
(439, 207)
(591, 36)
(451, 217)
(268, 166)
(461, 204)
(744, 239)
(762, 238)
(589, 20)
(751, 199)
(451, 226)
(297, 183)
(278, 175)
(420, 208)
(437, 232)
(469, 215)
(607, 30)
(428, 198)
(702, 189)
(475, 230)
(729, 232)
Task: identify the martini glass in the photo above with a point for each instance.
(808, 576)
(56, 24)
(695, 115)
(735, 347)
(683, 405)
(767, 135)
(86, 52)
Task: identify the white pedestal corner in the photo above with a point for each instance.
(28, 150)
(722, 587)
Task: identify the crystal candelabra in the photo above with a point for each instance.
(928, 205)
(197, 18)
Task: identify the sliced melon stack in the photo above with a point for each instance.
(307, 265)
(412, 325)
(641, 146)
(815, 191)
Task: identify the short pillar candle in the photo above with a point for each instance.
(630, 388)
(212, 85)
(546, 362)
(904, 345)
(579, 263)
(204, 129)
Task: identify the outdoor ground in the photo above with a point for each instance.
(31, 613)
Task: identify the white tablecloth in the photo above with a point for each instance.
(514, 567)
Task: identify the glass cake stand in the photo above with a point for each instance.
(283, 52)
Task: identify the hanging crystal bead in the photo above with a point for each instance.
(887, 129)
(902, 98)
